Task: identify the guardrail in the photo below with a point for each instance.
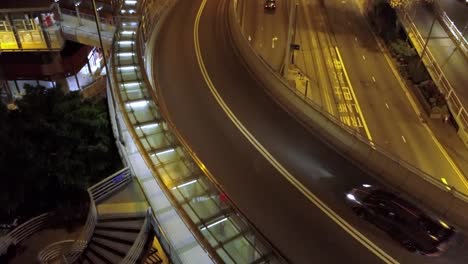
(23, 231)
(139, 244)
(446, 202)
(434, 70)
(54, 253)
(70, 250)
(450, 27)
(131, 85)
(109, 185)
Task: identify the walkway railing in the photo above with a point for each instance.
(70, 250)
(54, 253)
(451, 28)
(139, 244)
(23, 231)
(109, 185)
(204, 208)
(434, 70)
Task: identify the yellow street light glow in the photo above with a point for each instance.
(444, 181)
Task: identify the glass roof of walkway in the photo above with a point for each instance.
(202, 205)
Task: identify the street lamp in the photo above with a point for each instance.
(59, 11)
(99, 7)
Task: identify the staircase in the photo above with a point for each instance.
(153, 257)
(112, 239)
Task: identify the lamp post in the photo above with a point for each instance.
(77, 3)
(59, 11)
(99, 7)
(292, 9)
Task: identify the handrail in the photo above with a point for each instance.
(139, 244)
(110, 184)
(83, 16)
(451, 28)
(195, 231)
(72, 249)
(371, 146)
(68, 250)
(435, 70)
(23, 231)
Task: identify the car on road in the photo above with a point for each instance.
(270, 4)
(401, 220)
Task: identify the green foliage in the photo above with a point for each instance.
(53, 147)
(402, 49)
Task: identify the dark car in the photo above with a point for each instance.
(270, 4)
(403, 221)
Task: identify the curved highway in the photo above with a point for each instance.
(253, 147)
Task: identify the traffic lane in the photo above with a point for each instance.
(401, 130)
(280, 212)
(324, 172)
(268, 31)
(403, 115)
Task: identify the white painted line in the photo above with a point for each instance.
(387, 106)
(373, 78)
(355, 39)
(404, 139)
(363, 57)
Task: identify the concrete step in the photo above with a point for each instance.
(118, 248)
(115, 238)
(128, 236)
(106, 252)
(94, 257)
(122, 224)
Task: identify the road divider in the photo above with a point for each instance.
(428, 190)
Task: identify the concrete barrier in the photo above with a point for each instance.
(401, 176)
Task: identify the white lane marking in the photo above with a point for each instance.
(373, 78)
(250, 38)
(267, 155)
(404, 139)
(363, 57)
(387, 106)
(273, 40)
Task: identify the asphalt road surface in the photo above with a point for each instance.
(296, 226)
(387, 112)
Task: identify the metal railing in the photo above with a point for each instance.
(434, 70)
(66, 251)
(70, 250)
(85, 16)
(139, 244)
(451, 28)
(131, 86)
(109, 185)
(373, 151)
(23, 231)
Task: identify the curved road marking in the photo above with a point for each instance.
(286, 174)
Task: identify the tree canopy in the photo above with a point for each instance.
(53, 147)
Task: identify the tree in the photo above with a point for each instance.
(53, 147)
(405, 3)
